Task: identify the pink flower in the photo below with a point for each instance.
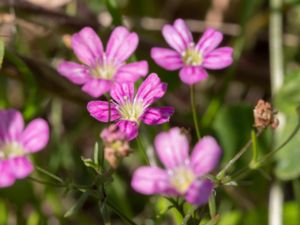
(100, 69)
(192, 59)
(16, 143)
(183, 174)
(130, 110)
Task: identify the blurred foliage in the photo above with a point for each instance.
(288, 101)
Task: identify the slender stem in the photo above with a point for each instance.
(46, 182)
(120, 213)
(49, 174)
(254, 148)
(194, 110)
(245, 171)
(272, 153)
(108, 98)
(143, 150)
(212, 205)
(237, 156)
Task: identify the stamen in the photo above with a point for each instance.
(192, 57)
(131, 110)
(181, 178)
(9, 150)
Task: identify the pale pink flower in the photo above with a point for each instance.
(130, 109)
(99, 68)
(184, 175)
(16, 143)
(191, 58)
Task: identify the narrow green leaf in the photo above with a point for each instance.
(77, 206)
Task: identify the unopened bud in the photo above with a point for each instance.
(264, 115)
(116, 145)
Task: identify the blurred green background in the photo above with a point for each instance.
(36, 35)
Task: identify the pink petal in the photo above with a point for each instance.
(167, 58)
(35, 136)
(122, 92)
(21, 167)
(132, 72)
(173, 38)
(6, 178)
(151, 90)
(209, 41)
(199, 192)
(205, 156)
(172, 148)
(130, 128)
(100, 111)
(11, 125)
(158, 115)
(75, 72)
(192, 74)
(97, 87)
(218, 59)
(184, 31)
(87, 46)
(121, 44)
(151, 180)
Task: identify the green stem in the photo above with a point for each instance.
(49, 174)
(272, 153)
(108, 98)
(120, 213)
(212, 205)
(143, 150)
(46, 182)
(237, 156)
(194, 110)
(254, 148)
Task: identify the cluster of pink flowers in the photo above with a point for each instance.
(107, 72)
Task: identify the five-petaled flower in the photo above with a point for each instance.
(192, 59)
(101, 69)
(131, 110)
(16, 143)
(184, 175)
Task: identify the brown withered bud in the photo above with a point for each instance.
(264, 115)
(116, 145)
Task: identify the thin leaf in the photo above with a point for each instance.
(77, 206)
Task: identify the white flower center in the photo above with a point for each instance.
(181, 178)
(10, 150)
(131, 111)
(192, 57)
(105, 71)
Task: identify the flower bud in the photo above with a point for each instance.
(264, 115)
(116, 145)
